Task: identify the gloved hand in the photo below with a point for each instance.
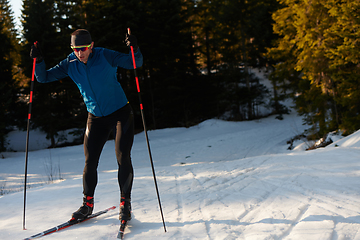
(35, 52)
(131, 40)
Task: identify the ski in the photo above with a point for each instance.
(69, 223)
(122, 230)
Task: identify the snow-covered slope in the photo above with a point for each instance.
(217, 180)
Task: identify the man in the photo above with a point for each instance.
(94, 72)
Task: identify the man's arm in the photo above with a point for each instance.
(53, 74)
(123, 60)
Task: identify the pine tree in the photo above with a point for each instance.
(344, 59)
(167, 41)
(244, 34)
(8, 84)
(58, 105)
(302, 26)
(6, 87)
(206, 29)
(319, 40)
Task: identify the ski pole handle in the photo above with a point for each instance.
(132, 51)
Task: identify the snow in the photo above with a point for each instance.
(217, 180)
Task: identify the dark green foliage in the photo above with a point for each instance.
(233, 39)
(8, 86)
(320, 40)
(177, 38)
(311, 49)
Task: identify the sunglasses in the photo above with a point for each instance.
(81, 48)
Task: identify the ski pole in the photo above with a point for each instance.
(145, 131)
(27, 135)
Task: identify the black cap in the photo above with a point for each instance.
(80, 37)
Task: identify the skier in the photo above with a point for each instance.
(94, 72)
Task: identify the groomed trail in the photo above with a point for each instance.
(217, 180)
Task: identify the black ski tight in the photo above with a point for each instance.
(97, 133)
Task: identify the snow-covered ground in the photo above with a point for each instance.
(217, 180)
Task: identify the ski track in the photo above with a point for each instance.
(199, 202)
(212, 190)
(215, 194)
(208, 190)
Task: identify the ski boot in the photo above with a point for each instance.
(85, 210)
(124, 215)
(125, 209)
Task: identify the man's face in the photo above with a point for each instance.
(83, 52)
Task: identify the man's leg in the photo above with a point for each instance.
(96, 135)
(124, 138)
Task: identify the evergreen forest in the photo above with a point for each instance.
(198, 57)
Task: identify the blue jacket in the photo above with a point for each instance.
(96, 80)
